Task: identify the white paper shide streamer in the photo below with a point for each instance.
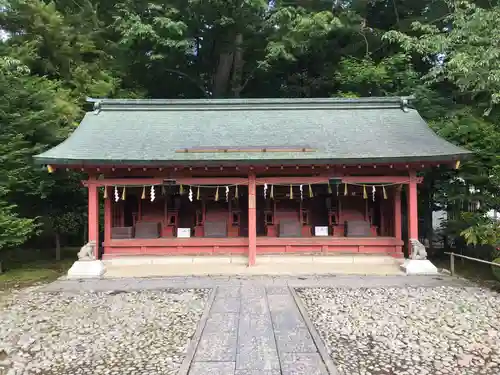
(265, 191)
(117, 196)
(301, 192)
(373, 193)
(190, 196)
(152, 193)
(227, 193)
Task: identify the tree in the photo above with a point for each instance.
(34, 112)
(463, 48)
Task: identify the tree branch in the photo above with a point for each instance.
(396, 13)
(193, 80)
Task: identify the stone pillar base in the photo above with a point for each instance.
(85, 269)
(419, 267)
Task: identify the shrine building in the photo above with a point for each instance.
(252, 176)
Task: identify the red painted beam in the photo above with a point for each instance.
(124, 182)
(379, 179)
(211, 180)
(345, 179)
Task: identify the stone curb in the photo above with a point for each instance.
(330, 366)
(193, 345)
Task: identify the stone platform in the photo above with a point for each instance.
(161, 266)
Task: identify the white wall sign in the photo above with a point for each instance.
(321, 231)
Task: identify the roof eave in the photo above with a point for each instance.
(211, 162)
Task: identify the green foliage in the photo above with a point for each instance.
(482, 231)
(463, 48)
(14, 230)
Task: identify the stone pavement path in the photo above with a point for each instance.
(254, 330)
(254, 325)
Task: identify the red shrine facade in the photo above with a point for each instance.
(250, 177)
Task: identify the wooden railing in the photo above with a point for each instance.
(452, 261)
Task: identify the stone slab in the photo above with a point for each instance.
(419, 267)
(212, 368)
(279, 302)
(254, 306)
(222, 322)
(257, 324)
(302, 363)
(226, 305)
(228, 292)
(85, 269)
(257, 359)
(257, 372)
(353, 282)
(217, 346)
(296, 341)
(280, 290)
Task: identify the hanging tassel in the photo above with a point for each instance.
(105, 192)
(373, 193)
(217, 194)
(123, 194)
(181, 189)
(272, 192)
(198, 194)
(265, 191)
(50, 168)
(301, 192)
(190, 196)
(236, 194)
(143, 195)
(345, 189)
(329, 189)
(117, 197)
(365, 196)
(457, 164)
(152, 193)
(384, 192)
(310, 191)
(291, 191)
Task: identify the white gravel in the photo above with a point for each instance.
(98, 333)
(412, 331)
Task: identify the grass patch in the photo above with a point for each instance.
(475, 271)
(24, 267)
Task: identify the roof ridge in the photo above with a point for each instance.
(253, 103)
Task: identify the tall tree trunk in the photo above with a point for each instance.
(221, 80)
(57, 238)
(236, 84)
(224, 65)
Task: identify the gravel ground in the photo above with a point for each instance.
(412, 331)
(98, 333)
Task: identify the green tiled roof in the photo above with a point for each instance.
(152, 132)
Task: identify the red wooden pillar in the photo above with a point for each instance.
(93, 214)
(382, 217)
(397, 213)
(412, 210)
(412, 207)
(252, 220)
(107, 218)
